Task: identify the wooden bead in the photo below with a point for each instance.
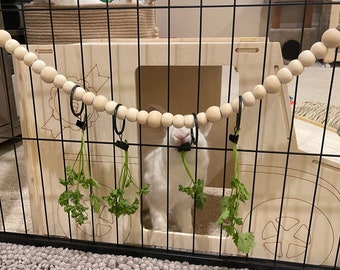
(178, 121)
(121, 113)
(78, 93)
(259, 91)
(88, 97)
(167, 119)
(154, 119)
(99, 103)
(307, 58)
(226, 110)
(296, 67)
(213, 114)
(202, 119)
(30, 58)
(248, 99)
(189, 121)
(284, 75)
(59, 81)
(272, 84)
(110, 107)
(131, 114)
(235, 104)
(67, 87)
(4, 37)
(48, 74)
(331, 38)
(20, 52)
(319, 50)
(38, 66)
(142, 117)
(11, 45)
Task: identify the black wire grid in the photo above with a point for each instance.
(167, 252)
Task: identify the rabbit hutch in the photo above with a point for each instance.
(100, 87)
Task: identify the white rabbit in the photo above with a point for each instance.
(155, 174)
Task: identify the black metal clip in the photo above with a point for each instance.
(234, 137)
(119, 143)
(194, 139)
(80, 123)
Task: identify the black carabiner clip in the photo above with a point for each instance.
(119, 143)
(234, 137)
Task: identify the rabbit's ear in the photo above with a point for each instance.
(206, 129)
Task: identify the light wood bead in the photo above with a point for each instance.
(189, 121)
(67, 87)
(99, 103)
(20, 52)
(4, 37)
(226, 110)
(48, 74)
(142, 117)
(178, 121)
(38, 66)
(121, 112)
(11, 45)
(154, 119)
(296, 67)
(131, 114)
(88, 97)
(202, 119)
(59, 81)
(213, 114)
(235, 104)
(331, 38)
(307, 58)
(30, 58)
(319, 50)
(167, 119)
(284, 75)
(110, 107)
(78, 93)
(248, 99)
(259, 91)
(272, 84)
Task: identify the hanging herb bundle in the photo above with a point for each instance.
(229, 218)
(118, 204)
(195, 189)
(76, 177)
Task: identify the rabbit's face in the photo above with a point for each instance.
(179, 136)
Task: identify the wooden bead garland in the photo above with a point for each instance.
(271, 84)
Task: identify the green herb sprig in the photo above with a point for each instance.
(118, 204)
(70, 199)
(195, 189)
(229, 219)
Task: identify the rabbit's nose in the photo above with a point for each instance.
(182, 137)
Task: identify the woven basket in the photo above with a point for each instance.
(91, 20)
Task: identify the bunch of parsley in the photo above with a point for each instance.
(195, 189)
(75, 182)
(118, 204)
(229, 219)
